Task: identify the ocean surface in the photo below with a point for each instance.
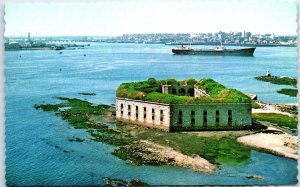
(37, 148)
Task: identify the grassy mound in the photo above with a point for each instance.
(150, 90)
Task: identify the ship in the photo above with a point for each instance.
(219, 50)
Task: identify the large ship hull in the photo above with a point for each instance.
(225, 52)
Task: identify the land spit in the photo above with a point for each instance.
(279, 144)
(164, 154)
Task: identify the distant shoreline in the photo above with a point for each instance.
(239, 45)
(242, 45)
(185, 43)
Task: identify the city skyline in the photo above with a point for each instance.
(193, 34)
(115, 18)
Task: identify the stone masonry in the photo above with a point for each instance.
(170, 117)
(155, 115)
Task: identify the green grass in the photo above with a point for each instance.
(278, 80)
(150, 90)
(279, 119)
(213, 148)
(211, 87)
(255, 105)
(288, 91)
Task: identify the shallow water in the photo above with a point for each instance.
(37, 148)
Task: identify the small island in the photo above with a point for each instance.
(200, 149)
(281, 80)
(278, 80)
(288, 91)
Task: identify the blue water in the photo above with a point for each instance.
(37, 149)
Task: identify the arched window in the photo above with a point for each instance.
(174, 91)
(136, 112)
(192, 118)
(180, 117)
(229, 117)
(161, 116)
(145, 113)
(181, 91)
(191, 92)
(205, 118)
(217, 118)
(129, 110)
(153, 113)
(122, 106)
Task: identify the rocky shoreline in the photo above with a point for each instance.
(150, 152)
(281, 144)
(288, 109)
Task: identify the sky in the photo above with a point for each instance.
(117, 17)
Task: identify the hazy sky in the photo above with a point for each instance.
(116, 17)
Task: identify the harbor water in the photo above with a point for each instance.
(37, 148)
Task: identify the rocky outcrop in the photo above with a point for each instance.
(150, 153)
(290, 109)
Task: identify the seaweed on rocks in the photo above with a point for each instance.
(120, 182)
(96, 119)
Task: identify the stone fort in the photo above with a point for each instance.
(173, 105)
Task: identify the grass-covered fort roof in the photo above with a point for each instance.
(150, 90)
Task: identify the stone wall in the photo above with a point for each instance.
(187, 90)
(206, 116)
(155, 115)
(166, 89)
(199, 93)
(192, 117)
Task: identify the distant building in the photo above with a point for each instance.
(248, 34)
(272, 36)
(244, 34)
(268, 74)
(29, 38)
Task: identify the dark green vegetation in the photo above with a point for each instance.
(288, 91)
(279, 119)
(119, 182)
(255, 105)
(79, 113)
(209, 145)
(84, 115)
(85, 93)
(150, 90)
(75, 111)
(278, 80)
